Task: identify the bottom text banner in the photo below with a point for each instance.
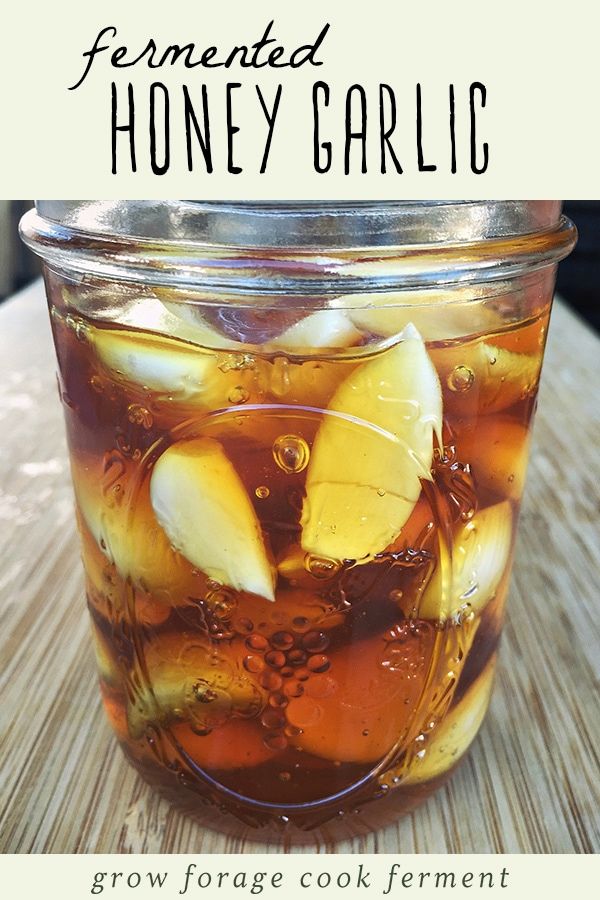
(298, 875)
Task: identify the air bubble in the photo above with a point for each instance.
(292, 731)
(321, 567)
(243, 626)
(396, 595)
(293, 689)
(275, 659)
(253, 664)
(257, 642)
(282, 640)
(273, 718)
(460, 379)
(276, 741)
(279, 701)
(296, 658)
(262, 492)
(380, 492)
(284, 776)
(271, 681)
(315, 641)
(200, 730)
(291, 453)
(318, 663)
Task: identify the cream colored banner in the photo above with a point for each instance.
(296, 876)
(266, 100)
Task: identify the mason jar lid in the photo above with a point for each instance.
(299, 247)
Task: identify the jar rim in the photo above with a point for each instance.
(308, 247)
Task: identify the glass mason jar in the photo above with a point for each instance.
(298, 438)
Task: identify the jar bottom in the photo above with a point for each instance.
(355, 813)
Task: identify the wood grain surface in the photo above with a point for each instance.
(531, 782)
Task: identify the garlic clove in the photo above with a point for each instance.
(438, 315)
(479, 378)
(118, 515)
(204, 509)
(187, 681)
(480, 554)
(371, 451)
(326, 328)
(450, 740)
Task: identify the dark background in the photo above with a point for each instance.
(578, 275)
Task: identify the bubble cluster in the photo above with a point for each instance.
(290, 665)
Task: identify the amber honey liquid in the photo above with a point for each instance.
(361, 682)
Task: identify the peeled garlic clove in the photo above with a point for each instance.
(179, 373)
(156, 363)
(371, 450)
(204, 509)
(186, 320)
(151, 315)
(438, 315)
(124, 528)
(451, 739)
(480, 378)
(188, 681)
(496, 449)
(480, 554)
(326, 328)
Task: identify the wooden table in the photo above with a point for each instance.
(532, 780)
